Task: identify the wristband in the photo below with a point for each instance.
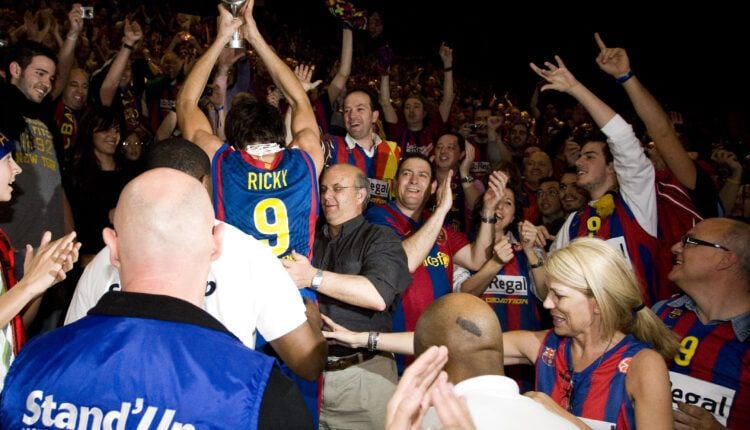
(126, 46)
(467, 179)
(448, 69)
(537, 265)
(621, 80)
(372, 341)
(219, 108)
(490, 220)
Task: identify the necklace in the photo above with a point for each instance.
(568, 388)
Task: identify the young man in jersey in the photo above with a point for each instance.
(620, 180)
(266, 190)
(364, 148)
(431, 248)
(711, 372)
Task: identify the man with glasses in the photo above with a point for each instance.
(711, 372)
(358, 270)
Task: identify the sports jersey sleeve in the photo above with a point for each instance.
(635, 173)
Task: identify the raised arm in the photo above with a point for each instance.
(193, 123)
(389, 113)
(446, 54)
(66, 55)
(419, 244)
(560, 79)
(338, 84)
(502, 254)
(615, 62)
(108, 89)
(304, 126)
(473, 256)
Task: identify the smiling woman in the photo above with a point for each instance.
(95, 176)
(604, 359)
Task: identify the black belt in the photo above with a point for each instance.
(341, 363)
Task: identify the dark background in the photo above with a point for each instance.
(693, 58)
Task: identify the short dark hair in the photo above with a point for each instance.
(24, 52)
(548, 179)
(421, 156)
(460, 140)
(180, 154)
(374, 104)
(251, 121)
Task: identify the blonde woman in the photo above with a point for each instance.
(603, 361)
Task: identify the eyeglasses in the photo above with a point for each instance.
(336, 188)
(687, 240)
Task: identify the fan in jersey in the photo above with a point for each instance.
(604, 359)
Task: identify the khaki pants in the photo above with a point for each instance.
(356, 397)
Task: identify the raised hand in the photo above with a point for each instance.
(532, 235)
(445, 194)
(503, 250)
(446, 54)
(558, 76)
(227, 24)
(497, 183)
(304, 74)
(411, 399)
(613, 61)
(470, 152)
(49, 263)
(132, 32)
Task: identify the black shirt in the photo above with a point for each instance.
(369, 250)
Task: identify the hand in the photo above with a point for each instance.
(465, 168)
(722, 156)
(494, 122)
(314, 318)
(445, 195)
(226, 25)
(410, 401)
(427, 150)
(452, 410)
(228, 57)
(692, 417)
(341, 335)
(250, 29)
(503, 250)
(446, 54)
(558, 76)
(531, 235)
(132, 32)
(49, 263)
(613, 61)
(304, 74)
(497, 183)
(299, 269)
(75, 19)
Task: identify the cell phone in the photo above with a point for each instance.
(87, 12)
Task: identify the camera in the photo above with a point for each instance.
(87, 12)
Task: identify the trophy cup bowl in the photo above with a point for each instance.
(233, 6)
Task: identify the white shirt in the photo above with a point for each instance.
(494, 403)
(247, 289)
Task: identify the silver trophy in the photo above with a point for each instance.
(234, 7)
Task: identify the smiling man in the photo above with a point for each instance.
(26, 118)
(359, 270)
(710, 373)
(362, 147)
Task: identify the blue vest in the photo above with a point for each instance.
(125, 372)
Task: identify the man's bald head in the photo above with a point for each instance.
(471, 331)
(163, 234)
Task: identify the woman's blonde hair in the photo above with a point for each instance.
(596, 269)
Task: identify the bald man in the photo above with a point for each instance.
(358, 270)
(149, 353)
(471, 331)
